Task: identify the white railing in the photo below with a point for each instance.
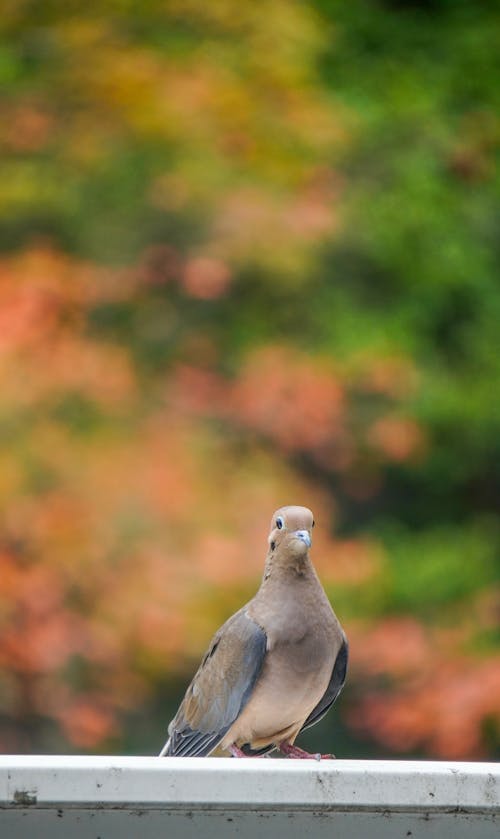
(57, 796)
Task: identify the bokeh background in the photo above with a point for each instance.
(250, 256)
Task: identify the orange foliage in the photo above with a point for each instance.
(116, 532)
(279, 395)
(26, 127)
(110, 539)
(205, 278)
(436, 700)
(348, 561)
(296, 404)
(86, 722)
(399, 646)
(397, 438)
(442, 713)
(392, 376)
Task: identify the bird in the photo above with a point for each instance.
(275, 667)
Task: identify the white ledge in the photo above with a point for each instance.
(54, 795)
(152, 781)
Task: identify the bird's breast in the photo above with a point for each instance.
(294, 678)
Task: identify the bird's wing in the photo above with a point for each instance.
(335, 685)
(220, 688)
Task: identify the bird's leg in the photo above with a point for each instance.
(300, 754)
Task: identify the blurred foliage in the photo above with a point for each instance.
(249, 257)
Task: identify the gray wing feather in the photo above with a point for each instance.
(220, 688)
(335, 685)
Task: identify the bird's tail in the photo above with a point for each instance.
(165, 749)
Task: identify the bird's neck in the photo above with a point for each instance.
(291, 592)
(278, 569)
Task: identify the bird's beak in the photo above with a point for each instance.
(304, 536)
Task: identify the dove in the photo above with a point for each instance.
(275, 667)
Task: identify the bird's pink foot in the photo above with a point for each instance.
(300, 754)
(235, 751)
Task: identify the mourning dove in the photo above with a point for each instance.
(275, 667)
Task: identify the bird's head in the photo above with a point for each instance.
(291, 532)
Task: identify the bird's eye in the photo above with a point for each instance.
(279, 522)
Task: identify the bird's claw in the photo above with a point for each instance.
(300, 754)
(235, 751)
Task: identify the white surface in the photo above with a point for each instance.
(126, 796)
